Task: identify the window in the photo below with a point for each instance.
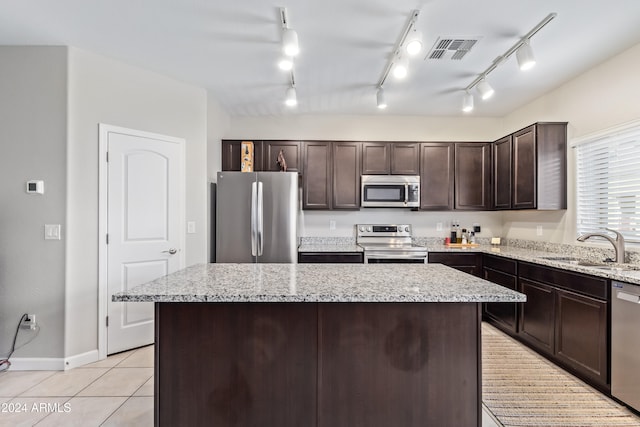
(608, 182)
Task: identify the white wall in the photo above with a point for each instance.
(33, 135)
(602, 97)
(102, 90)
(380, 127)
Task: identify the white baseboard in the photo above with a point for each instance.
(36, 364)
(53, 364)
(81, 359)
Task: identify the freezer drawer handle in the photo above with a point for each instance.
(629, 297)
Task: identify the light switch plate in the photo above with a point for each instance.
(191, 227)
(52, 231)
(438, 226)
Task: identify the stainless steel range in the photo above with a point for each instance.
(389, 243)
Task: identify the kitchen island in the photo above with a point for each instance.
(318, 344)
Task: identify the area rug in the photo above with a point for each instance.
(522, 389)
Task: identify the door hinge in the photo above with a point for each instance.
(107, 321)
(107, 238)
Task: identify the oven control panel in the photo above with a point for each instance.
(383, 230)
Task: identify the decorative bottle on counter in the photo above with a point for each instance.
(464, 240)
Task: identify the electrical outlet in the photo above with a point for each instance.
(332, 225)
(29, 322)
(438, 226)
(476, 228)
(539, 230)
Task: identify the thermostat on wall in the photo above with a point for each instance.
(35, 187)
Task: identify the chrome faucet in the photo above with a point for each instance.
(618, 242)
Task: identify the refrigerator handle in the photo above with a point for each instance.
(260, 220)
(254, 216)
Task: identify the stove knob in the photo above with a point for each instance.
(362, 228)
(368, 228)
(406, 229)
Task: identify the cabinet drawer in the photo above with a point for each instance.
(581, 283)
(504, 265)
(452, 259)
(331, 257)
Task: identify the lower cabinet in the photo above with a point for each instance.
(502, 271)
(565, 318)
(470, 263)
(331, 257)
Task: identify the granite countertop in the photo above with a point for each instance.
(627, 272)
(319, 283)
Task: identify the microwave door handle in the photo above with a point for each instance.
(406, 193)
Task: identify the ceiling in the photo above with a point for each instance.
(231, 47)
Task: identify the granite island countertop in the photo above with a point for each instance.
(319, 283)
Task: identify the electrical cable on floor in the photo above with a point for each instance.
(5, 363)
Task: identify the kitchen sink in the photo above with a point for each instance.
(599, 265)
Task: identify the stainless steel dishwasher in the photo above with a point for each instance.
(625, 343)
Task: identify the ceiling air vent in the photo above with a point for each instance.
(451, 48)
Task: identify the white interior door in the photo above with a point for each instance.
(144, 174)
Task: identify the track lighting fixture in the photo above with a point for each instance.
(381, 102)
(525, 57)
(413, 45)
(291, 100)
(400, 67)
(467, 102)
(290, 42)
(398, 63)
(484, 89)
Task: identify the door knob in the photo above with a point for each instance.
(171, 251)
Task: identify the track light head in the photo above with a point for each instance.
(485, 90)
(467, 102)
(525, 57)
(290, 42)
(400, 67)
(291, 100)
(413, 44)
(285, 63)
(380, 100)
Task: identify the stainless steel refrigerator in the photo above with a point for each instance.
(257, 217)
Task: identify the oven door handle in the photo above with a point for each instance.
(396, 256)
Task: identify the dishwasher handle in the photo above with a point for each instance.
(628, 297)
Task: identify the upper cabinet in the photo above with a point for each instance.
(396, 158)
(331, 177)
(265, 155)
(436, 175)
(291, 150)
(472, 176)
(530, 168)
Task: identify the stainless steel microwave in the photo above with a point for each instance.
(390, 191)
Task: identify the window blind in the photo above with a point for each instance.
(608, 183)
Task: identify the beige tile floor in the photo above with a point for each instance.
(117, 391)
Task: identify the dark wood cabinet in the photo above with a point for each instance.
(331, 257)
(537, 315)
(375, 158)
(581, 334)
(346, 175)
(405, 158)
(395, 158)
(292, 151)
(530, 168)
(470, 263)
(232, 155)
(317, 179)
(565, 318)
(331, 178)
(436, 175)
(502, 173)
(504, 272)
(472, 176)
